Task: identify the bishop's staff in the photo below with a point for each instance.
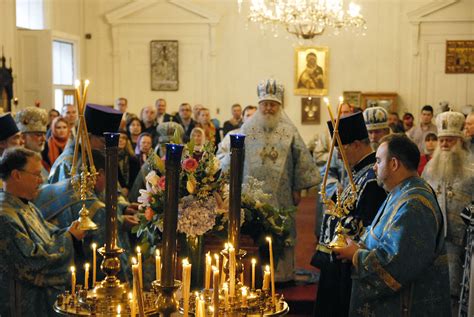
(85, 183)
(337, 211)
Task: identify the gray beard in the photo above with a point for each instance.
(447, 166)
(267, 121)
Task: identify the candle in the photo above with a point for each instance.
(223, 276)
(232, 270)
(158, 265)
(140, 267)
(73, 280)
(253, 273)
(244, 296)
(207, 278)
(216, 258)
(242, 277)
(94, 263)
(84, 94)
(202, 307)
(86, 276)
(119, 309)
(132, 304)
(341, 99)
(266, 278)
(272, 270)
(186, 286)
(225, 287)
(137, 288)
(196, 304)
(215, 282)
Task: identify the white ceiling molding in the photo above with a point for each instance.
(123, 14)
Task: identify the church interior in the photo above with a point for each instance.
(209, 52)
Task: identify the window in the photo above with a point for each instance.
(63, 72)
(30, 14)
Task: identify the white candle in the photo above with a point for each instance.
(244, 296)
(207, 279)
(158, 265)
(119, 309)
(86, 276)
(225, 287)
(215, 282)
(186, 286)
(216, 258)
(272, 270)
(196, 304)
(232, 270)
(140, 267)
(94, 264)
(73, 280)
(132, 304)
(253, 273)
(266, 278)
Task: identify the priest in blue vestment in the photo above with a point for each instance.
(400, 266)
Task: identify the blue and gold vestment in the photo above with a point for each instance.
(401, 268)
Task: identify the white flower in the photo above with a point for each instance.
(196, 216)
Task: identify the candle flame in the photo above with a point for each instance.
(341, 99)
(216, 256)
(269, 239)
(225, 286)
(215, 269)
(77, 83)
(267, 268)
(87, 82)
(130, 295)
(326, 100)
(157, 252)
(87, 266)
(185, 261)
(73, 269)
(254, 261)
(244, 291)
(119, 309)
(94, 246)
(134, 260)
(139, 250)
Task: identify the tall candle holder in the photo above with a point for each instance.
(110, 294)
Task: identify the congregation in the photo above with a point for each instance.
(406, 192)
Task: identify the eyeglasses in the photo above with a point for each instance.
(38, 176)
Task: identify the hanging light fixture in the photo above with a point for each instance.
(306, 18)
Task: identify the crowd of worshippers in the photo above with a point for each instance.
(407, 220)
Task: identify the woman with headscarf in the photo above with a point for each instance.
(143, 147)
(56, 142)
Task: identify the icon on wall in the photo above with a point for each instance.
(164, 65)
(311, 71)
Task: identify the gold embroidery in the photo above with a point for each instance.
(388, 279)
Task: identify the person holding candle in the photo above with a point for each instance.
(276, 155)
(35, 256)
(400, 266)
(334, 287)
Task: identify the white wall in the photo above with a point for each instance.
(221, 63)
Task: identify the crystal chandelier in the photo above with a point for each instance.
(306, 18)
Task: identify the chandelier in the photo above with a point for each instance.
(306, 18)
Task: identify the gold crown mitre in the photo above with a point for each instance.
(270, 89)
(450, 123)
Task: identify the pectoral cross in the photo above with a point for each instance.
(365, 311)
(271, 154)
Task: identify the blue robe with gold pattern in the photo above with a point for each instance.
(401, 268)
(35, 257)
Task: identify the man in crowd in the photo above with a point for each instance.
(121, 104)
(99, 119)
(276, 155)
(223, 152)
(452, 177)
(376, 121)
(148, 118)
(60, 204)
(184, 118)
(359, 208)
(196, 109)
(469, 132)
(161, 115)
(32, 123)
(69, 112)
(418, 132)
(395, 123)
(235, 122)
(35, 256)
(399, 268)
(10, 136)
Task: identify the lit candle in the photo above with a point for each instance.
(216, 258)
(232, 270)
(272, 270)
(137, 288)
(77, 85)
(186, 286)
(215, 282)
(119, 309)
(140, 267)
(207, 279)
(266, 278)
(225, 287)
(158, 265)
(341, 99)
(86, 276)
(196, 304)
(84, 94)
(94, 264)
(244, 296)
(73, 280)
(202, 307)
(253, 273)
(223, 276)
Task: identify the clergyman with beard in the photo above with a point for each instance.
(276, 155)
(450, 175)
(32, 122)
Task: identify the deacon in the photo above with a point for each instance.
(452, 177)
(276, 155)
(99, 119)
(334, 287)
(10, 136)
(399, 267)
(376, 121)
(32, 123)
(35, 256)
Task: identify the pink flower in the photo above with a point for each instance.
(190, 164)
(162, 182)
(149, 213)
